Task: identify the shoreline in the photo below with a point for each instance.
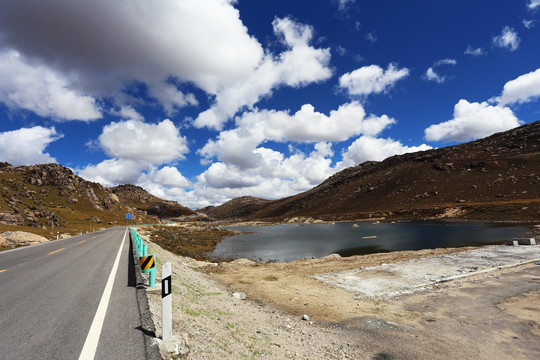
(201, 246)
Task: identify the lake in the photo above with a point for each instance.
(288, 242)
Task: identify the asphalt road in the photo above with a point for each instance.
(50, 293)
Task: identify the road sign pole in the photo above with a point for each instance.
(166, 301)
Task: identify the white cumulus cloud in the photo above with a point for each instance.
(113, 44)
(159, 181)
(112, 172)
(473, 121)
(529, 24)
(135, 140)
(474, 51)
(299, 65)
(522, 89)
(274, 176)
(533, 4)
(238, 146)
(372, 79)
(508, 39)
(432, 75)
(37, 88)
(137, 149)
(369, 148)
(129, 113)
(27, 146)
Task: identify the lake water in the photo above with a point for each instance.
(292, 241)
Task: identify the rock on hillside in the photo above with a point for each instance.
(13, 239)
(135, 193)
(496, 178)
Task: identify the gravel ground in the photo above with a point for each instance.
(492, 313)
(217, 325)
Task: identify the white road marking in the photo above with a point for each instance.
(90, 345)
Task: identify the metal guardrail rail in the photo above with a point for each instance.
(147, 262)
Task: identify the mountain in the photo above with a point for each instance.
(495, 178)
(236, 208)
(139, 198)
(48, 198)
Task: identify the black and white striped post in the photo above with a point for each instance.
(166, 301)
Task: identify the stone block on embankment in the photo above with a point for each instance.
(522, 241)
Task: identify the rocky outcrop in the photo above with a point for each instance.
(70, 185)
(13, 239)
(37, 218)
(133, 192)
(11, 219)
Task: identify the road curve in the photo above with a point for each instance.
(49, 295)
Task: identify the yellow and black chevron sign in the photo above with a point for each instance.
(147, 263)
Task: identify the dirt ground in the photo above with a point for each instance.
(291, 287)
(456, 310)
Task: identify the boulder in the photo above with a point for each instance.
(11, 219)
(32, 219)
(13, 239)
(239, 295)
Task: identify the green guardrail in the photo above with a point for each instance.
(147, 262)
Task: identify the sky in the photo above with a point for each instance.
(201, 101)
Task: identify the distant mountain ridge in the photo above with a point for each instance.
(236, 208)
(49, 197)
(495, 178)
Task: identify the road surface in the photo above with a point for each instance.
(50, 295)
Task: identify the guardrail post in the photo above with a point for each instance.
(152, 278)
(139, 246)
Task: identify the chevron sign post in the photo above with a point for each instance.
(148, 265)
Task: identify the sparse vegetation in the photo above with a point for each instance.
(50, 199)
(194, 242)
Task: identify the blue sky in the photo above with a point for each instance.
(201, 101)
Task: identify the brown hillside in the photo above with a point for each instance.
(236, 208)
(47, 198)
(496, 178)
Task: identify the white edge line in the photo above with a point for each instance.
(90, 345)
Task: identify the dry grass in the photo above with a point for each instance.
(195, 241)
(75, 218)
